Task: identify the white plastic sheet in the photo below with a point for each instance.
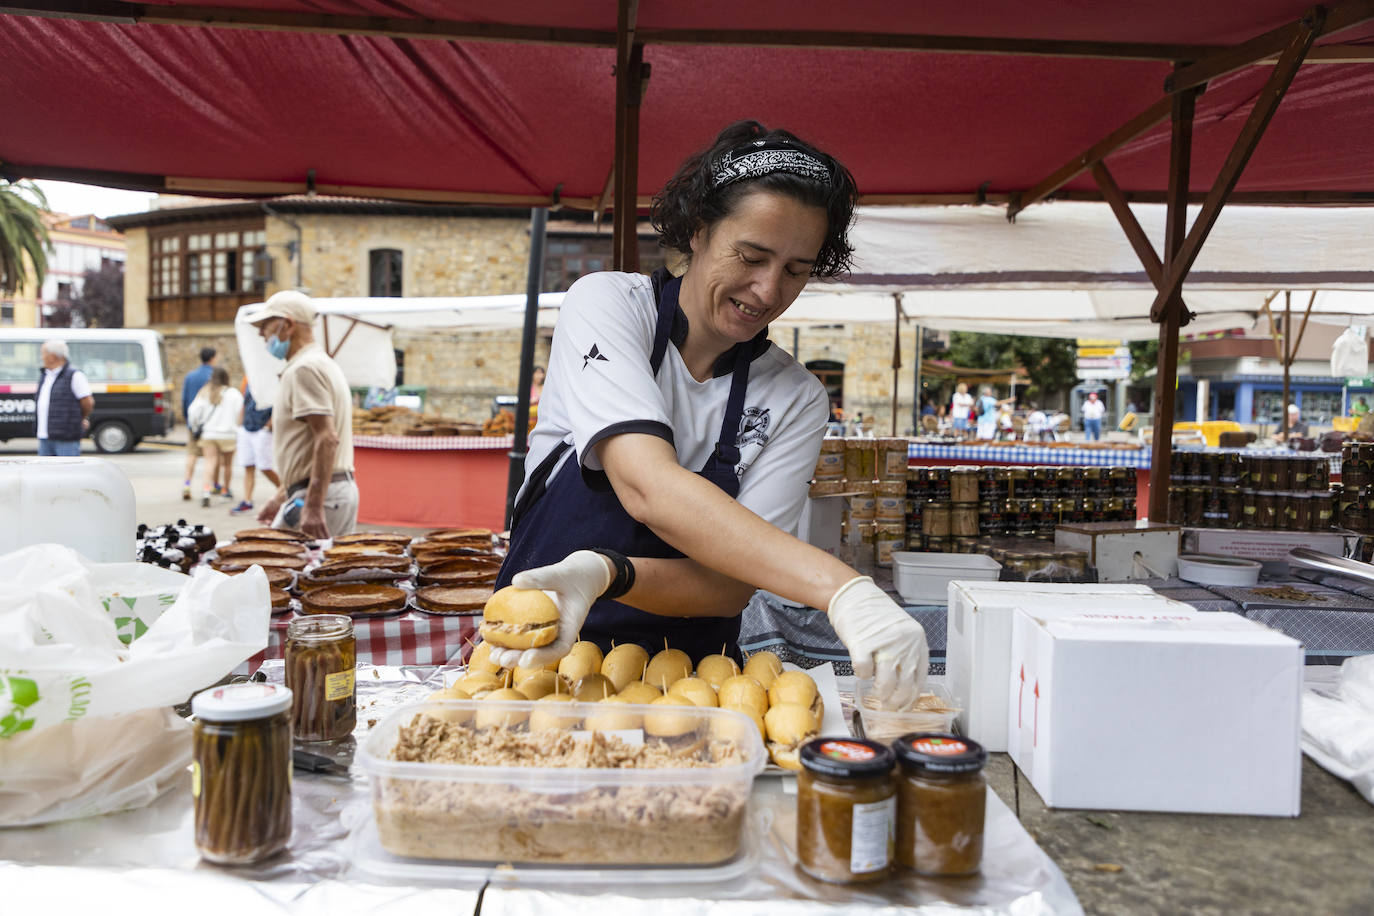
(1338, 724)
(84, 720)
(1350, 355)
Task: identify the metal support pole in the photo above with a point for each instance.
(1287, 360)
(534, 281)
(916, 398)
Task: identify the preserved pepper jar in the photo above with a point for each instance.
(846, 809)
(1234, 501)
(963, 520)
(987, 484)
(887, 537)
(917, 484)
(935, 519)
(1019, 486)
(1249, 510)
(891, 459)
(320, 654)
(241, 772)
(1099, 483)
(990, 518)
(1320, 518)
(1195, 506)
(1123, 482)
(1266, 509)
(1283, 473)
(941, 800)
(1354, 473)
(939, 484)
(963, 485)
(1071, 483)
(1177, 502)
(1004, 478)
(1301, 471)
(1301, 504)
(1319, 475)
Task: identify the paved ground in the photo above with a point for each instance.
(1116, 862)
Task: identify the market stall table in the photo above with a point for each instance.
(432, 481)
(150, 851)
(412, 638)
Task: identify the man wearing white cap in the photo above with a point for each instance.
(312, 421)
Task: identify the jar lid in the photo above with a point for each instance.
(935, 753)
(241, 702)
(847, 758)
(320, 626)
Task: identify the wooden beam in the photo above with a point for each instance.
(1111, 192)
(1166, 369)
(1287, 359)
(1253, 198)
(1273, 329)
(1265, 105)
(1348, 14)
(1076, 166)
(629, 54)
(1303, 328)
(291, 21)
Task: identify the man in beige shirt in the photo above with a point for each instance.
(312, 420)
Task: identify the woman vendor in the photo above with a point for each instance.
(675, 443)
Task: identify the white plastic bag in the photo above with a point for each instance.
(1338, 727)
(63, 663)
(1350, 355)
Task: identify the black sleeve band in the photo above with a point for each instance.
(624, 573)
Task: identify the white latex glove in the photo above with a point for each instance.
(884, 643)
(574, 584)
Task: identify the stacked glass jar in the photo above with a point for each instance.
(1237, 490)
(950, 508)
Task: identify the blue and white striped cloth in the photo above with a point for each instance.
(1030, 454)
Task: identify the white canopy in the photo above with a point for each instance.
(356, 331)
(1063, 269)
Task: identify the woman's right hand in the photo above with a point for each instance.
(574, 583)
(884, 643)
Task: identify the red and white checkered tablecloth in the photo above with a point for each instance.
(433, 443)
(407, 639)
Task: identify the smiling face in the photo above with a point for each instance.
(748, 267)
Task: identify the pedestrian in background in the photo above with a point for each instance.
(1093, 409)
(960, 408)
(64, 402)
(215, 414)
(312, 423)
(190, 387)
(255, 448)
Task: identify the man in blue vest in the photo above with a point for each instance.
(64, 402)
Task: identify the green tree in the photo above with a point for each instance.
(23, 235)
(101, 300)
(1144, 357)
(1050, 362)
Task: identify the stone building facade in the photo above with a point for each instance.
(190, 265)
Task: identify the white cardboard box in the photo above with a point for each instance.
(1124, 550)
(1264, 545)
(978, 638)
(1197, 715)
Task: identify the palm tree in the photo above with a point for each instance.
(23, 235)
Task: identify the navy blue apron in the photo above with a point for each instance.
(570, 515)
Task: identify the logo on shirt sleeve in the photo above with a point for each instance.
(753, 426)
(592, 354)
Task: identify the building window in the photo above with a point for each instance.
(567, 257)
(7, 311)
(384, 272)
(64, 292)
(206, 262)
(831, 375)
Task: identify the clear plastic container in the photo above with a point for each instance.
(682, 815)
(886, 725)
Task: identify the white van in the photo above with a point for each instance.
(126, 369)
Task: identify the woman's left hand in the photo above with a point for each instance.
(574, 584)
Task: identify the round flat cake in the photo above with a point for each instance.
(444, 599)
(357, 598)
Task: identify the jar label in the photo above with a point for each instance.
(939, 746)
(847, 750)
(873, 834)
(195, 779)
(339, 685)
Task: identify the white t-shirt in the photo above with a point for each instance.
(600, 384)
(217, 422)
(81, 388)
(960, 405)
(1093, 410)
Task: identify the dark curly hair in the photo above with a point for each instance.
(691, 200)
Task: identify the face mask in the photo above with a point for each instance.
(278, 347)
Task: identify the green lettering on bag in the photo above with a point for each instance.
(17, 694)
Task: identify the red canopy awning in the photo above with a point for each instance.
(234, 110)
